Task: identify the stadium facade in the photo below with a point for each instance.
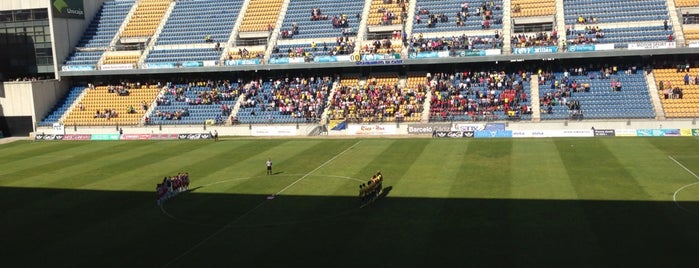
(52, 47)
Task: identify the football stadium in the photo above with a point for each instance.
(399, 133)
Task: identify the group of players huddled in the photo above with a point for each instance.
(171, 186)
(371, 190)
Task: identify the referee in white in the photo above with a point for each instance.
(269, 166)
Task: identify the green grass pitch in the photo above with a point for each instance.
(591, 202)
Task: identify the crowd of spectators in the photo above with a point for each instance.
(297, 97)
(208, 92)
(590, 35)
(539, 39)
(374, 101)
(478, 95)
(420, 44)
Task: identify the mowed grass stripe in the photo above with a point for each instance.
(51, 158)
(544, 212)
(650, 166)
(122, 164)
(19, 151)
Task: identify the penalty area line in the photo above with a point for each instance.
(234, 221)
(674, 195)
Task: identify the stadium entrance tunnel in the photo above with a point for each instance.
(81, 228)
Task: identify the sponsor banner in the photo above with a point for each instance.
(686, 132)
(104, 137)
(472, 53)
(190, 64)
(325, 59)
(380, 62)
(70, 9)
(159, 65)
(454, 134)
(242, 62)
(599, 47)
(534, 50)
(107, 67)
(652, 45)
(194, 136)
(135, 136)
(48, 137)
(581, 48)
(604, 132)
(209, 63)
(76, 137)
(551, 133)
(372, 129)
(625, 132)
(335, 124)
(495, 126)
(693, 43)
(657, 132)
(297, 60)
(273, 131)
(77, 67)
(425, 55)
(164, 136)
(279, 61)
(493, 134)
(59, 128)
(490, 52)
(695, 132)
(427, 128)
(380, 56)
(468, 127)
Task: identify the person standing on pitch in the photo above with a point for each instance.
(269, 166)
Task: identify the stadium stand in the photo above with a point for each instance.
(146, 18)
(457, 15)
(479, 96)
(99, 33)
(589, 11)
(105, 105)
(261, 15)
(590, 94)
(288, 100)
(387, 12)
(331, 18)
(532, 8)
(686, 3)
(380, 99)
(191, 21)
(679, 98)
(62, 106)
(195, 103)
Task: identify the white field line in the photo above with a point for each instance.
(202, 242)
(674, 195)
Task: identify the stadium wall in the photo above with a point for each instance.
(66, 32)
(31, 100)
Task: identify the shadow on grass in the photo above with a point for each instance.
(76, 228)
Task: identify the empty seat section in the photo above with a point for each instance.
(614, 11)
(686, 3)
(99, 34)
(531, 8)
(62, 106)
(183, 55)
(260, 15)
(191, 21)
(146, 18)
(121, 59)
